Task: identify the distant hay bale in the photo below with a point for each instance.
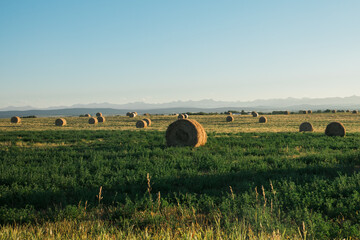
(15, 119)
(287, 112)
(355, 111)
(262, 119)
(101, 119)
(335, 129)
(309, 111)
(87, 115)
(132, 115)
(135, 113)
(186, 132)
(147, 114)
(228, 113)
(333, 111)
(254, 114)
(303, 112)
(186, 116)
(128, 114)
(181, 116)
(93, 120)
(141, 124)
(348, 111)
(306, 127)
(99, 114)
(229, 118)
(60, 122)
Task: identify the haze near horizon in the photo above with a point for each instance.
(65, 53)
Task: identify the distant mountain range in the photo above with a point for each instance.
(206, 105)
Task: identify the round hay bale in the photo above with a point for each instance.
(99, 114)
(228, 113)
(303, 112)
(93, 120)
(306, 127)
(186, 116)
(148, 121)
(128, 114)
(355, 112)
(348, 111)
(333, 111)
(101, 119)
(87, 115)
(335, 129)
(60, 122)
(132, 115)
(309, 111)
(230, 118)
(287, 112)
(141, 124)
(147, 114)
(254, 114)
(135, 113)
(186, 132)
(181, 116)
(262, 119)
(15, 119)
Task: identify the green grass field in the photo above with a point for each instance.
(113, 181)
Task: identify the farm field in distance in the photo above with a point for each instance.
(111, 180)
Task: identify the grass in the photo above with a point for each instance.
(269, 183)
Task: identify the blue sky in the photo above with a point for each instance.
(66, 52)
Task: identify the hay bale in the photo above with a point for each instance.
(148, 121)
(228, 113)
(99, 114)
(287, 112)
(333, 111)
(141, 124)
(262, 119)
(87, 115)
(60, 122)
(306, 127)
(101, 119)
(348, 111)
(303, 112)
(93, 120)
(15, 119)
(147, 114)
(128, 114)
(132, 115)
(355, 111)
(181, 116)
(335, 129)
(254, 114)
(135, 113)
(229, 118)
(186, 132)
(309, 111)
(186, 116)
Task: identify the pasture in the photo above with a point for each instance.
(111, 180)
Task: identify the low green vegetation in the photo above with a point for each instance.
(128, 184)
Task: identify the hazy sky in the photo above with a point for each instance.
(66, 52)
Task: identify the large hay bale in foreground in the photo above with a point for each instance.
(93, 120)
(148, 121)
(186, 132)
(141, 124)
(230, 118)
(262, 119)
(101, 119)
(355, 112)
(254, 114)
(99, 114)
(181, 116)
(306, 127)
(15, 119)
(87, 115)
(60, 122)
(335, 129)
